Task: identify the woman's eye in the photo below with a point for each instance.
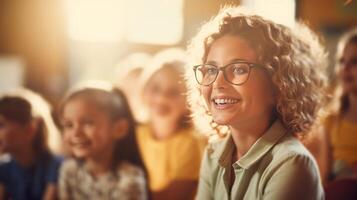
(211, 71)
(239, 70)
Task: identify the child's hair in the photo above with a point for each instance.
(173, 59)
(127, 76)
(294, 59)
(22, 106)
(112, 101)
(132, 63)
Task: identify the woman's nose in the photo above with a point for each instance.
(220, 80)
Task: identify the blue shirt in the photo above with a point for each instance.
(22, 183)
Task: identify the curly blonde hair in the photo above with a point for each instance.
(294, 59)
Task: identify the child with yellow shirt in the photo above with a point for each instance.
(170, 149)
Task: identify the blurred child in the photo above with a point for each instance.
(171, 151)
(127, 78)
(341, 126)
(99, 129)
(32, 170)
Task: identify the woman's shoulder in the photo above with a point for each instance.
(291, 166)
(290, 146)
(290, 151)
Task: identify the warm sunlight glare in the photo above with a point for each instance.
(280, 11)
(138, 21)
(95, 20)
(154, 21)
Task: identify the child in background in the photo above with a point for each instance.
(127, 78)
(341, 125)
(170, 149)
(99, 129)
(32, 170)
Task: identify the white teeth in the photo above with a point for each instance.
(225, 101)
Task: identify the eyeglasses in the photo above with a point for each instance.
(236, 73)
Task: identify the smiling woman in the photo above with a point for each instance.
(265, 84)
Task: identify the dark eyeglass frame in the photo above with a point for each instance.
(223, 69)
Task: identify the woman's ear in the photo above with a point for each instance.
(121, 127)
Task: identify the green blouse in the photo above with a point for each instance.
(276, 167)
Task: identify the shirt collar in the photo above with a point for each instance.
(256, 151)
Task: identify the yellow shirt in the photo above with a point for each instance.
(276, 167)
(343, 138)
(175, 158)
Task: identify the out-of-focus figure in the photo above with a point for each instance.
(170, 148)
(127, 78)
(341, 125)
(99, 130)
(25, 127)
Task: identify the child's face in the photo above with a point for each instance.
(13, 135)
(88, 131)
(164, 95)
(348, 69)
(237, 104)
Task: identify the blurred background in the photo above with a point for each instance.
(48, 46)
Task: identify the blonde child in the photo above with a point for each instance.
(341, 126)
(170, 149)
(127, 78)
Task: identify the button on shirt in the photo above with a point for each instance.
(276, 167)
